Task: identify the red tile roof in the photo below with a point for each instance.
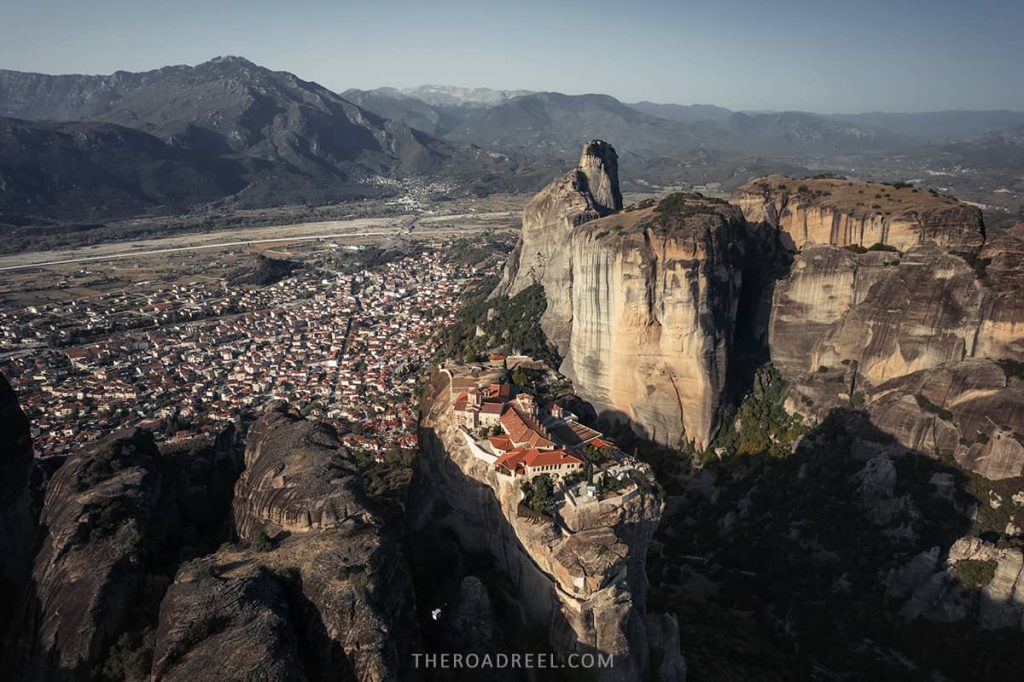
(536, 458)
(503, 443)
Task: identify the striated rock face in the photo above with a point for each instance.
(549, 219)
(641, 305)
(967, 410)
(331, 584)
(102, 510)
(217, 625)
(843, 212)
(654, 298)
(1001, 334)
(905, 335)
(890, 314)
(584, 586)
(16, 524)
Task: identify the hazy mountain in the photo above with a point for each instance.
(452, 96)
(553, 123)
(938, 125)
(415, 113)
(1002, 149)
(98, 170)
(434, 109)
(285, 140)
(556, 123)
(690, 113)
(790, 132)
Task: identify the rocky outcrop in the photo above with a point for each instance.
(102, 517)
(904, 333)
(581, 583)
(1001, 266)
(841, 212)
(586, 193)
(220, 623)
(976, 577)
(965, 410)
(654, 298)
(320, 582)
(16, 524)
(641, 305)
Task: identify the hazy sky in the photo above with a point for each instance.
(825, 56)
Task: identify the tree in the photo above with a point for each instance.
(539, 494)
(261, 542)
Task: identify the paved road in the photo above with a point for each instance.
(219, 245)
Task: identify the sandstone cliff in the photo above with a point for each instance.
(581, 583)
(654, 298)
(1001, 265)
(641, 305)
(901, 328)
(845, 212)
(587, 192)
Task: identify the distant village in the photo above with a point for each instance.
(344, 347)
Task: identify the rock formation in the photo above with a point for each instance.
(841, 212)
(900, 327)
(1001, 266)
(17, 527)
(320, 583)
(933, 589)
(585, 193)
(641, 305)
(654, 299)
(581, 584)
(316, 590)
(102, 516)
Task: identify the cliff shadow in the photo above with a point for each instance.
(767, 259)
(323, 657)
(783, 567)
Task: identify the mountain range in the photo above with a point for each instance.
(179, 136)
(229, 133)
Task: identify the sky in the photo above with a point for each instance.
(827, 56)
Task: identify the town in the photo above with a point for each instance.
(185, 358)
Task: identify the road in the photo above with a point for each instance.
(219, 245)
(225, 239)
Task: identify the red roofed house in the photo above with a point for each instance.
(530, 462)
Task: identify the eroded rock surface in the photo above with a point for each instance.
(841, 212)
(328, 587)
(654, 300)
(583, 580)
(587, 192)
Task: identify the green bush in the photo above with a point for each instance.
(539, 494)
(974, 574)
(761, 425)
(261, 542)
